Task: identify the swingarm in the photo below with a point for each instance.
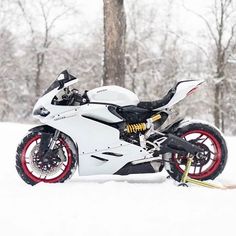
(174, 144)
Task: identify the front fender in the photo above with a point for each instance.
(42, 128)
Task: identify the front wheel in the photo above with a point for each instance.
(29, 165)
(214, 158)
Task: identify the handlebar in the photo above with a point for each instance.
(69, 98)
(78, 97)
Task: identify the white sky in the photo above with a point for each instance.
(91, 13)
(92, 9)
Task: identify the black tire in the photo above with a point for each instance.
(22, 168)
(219, 158)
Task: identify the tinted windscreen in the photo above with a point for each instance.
(54, 85)
(63, 78)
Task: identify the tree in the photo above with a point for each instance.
(8, 64)
(140, 19)
(41, 42)
(114, 42)
(151, 51)
(222, 31)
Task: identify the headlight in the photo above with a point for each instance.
(41, 111)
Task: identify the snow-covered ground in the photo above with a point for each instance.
(111, 205)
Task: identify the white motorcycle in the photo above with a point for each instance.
(107, 130)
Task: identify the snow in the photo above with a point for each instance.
(111, 205)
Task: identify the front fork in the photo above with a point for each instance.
(47, 145)
(54, 139)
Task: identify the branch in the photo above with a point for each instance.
(57, 18)
(28, 21)
(195, 44)
(45, 43)
(205, 21)
(231, 37)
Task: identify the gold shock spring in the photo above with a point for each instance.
(156, 117)
(133, 128)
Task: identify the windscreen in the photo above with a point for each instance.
(63, 78)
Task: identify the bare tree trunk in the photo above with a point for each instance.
(114, 42)
(39, 65)
(217, 105)
(137, 62)
(222, 107)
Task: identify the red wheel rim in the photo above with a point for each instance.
(31, 174)
(215, 155)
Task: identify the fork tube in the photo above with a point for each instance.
(54, 139)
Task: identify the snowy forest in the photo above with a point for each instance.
(164, 42)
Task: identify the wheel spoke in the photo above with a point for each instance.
(199, 138)
(204, 140)
(212, 152)
(200, 169)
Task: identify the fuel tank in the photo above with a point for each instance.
(113, 95)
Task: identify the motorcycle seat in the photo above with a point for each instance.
(158, 103)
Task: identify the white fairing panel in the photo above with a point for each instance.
(93, 139)
(182, 91)
(113, 95)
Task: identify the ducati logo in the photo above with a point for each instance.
(103, 90)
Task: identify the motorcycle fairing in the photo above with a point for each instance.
(95, 138)
(92, 137)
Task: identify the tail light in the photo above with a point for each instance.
(192, 91)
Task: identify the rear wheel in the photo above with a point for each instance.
(214, 158)
(60, 166)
